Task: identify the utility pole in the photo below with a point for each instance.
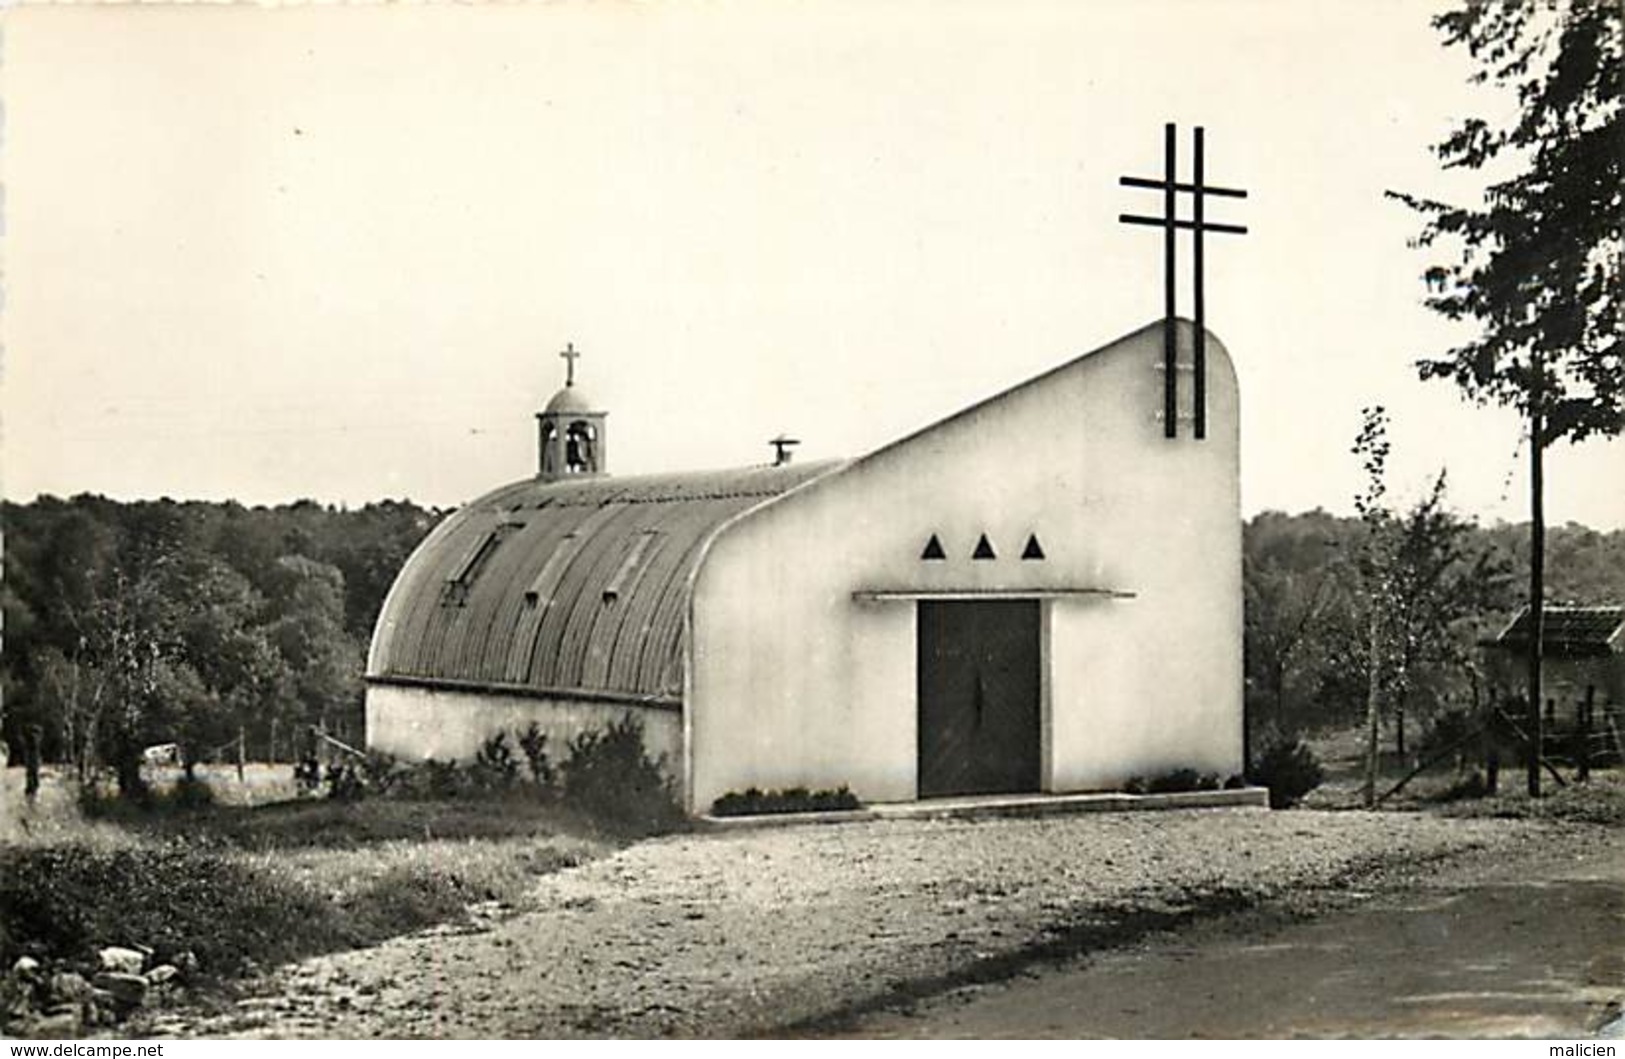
(1537, 564)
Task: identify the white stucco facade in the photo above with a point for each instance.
(800, 675)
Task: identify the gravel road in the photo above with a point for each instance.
(776, 930)
(1524, 943)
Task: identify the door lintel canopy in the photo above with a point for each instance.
(883, 595)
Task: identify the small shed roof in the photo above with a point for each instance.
(1568, 631)
(576, 587)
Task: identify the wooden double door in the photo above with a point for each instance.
(979, 680)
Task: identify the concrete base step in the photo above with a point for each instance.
(982, 806)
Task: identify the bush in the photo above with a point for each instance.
(494, 768)
(1134, 785)
(307, 775)
(533, 742)
(1175, 782)
(236, 913)
(610, 777)
(382, 774)
(1470, 786)
(66, 901)
(792, 800)
(1290, 771)
(440, 779)
(190, 792)
(344, 782)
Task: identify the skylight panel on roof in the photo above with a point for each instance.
(552, 572)
(623, 573)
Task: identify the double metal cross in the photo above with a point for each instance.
(1198, 226)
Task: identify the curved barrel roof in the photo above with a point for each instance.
(578, 587)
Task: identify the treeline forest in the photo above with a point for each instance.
(214, 625)
(1439, 586)
(206, 625)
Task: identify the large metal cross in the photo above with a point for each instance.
(570, 354)
(1198, 226)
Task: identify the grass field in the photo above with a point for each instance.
(262, 877)
(1601, 799)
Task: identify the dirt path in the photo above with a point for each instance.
(752, 932)
(1534, 948)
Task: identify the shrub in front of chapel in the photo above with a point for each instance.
(755, 802)
(495, 769)
(383, 774)
(1178, 781)
(439, 779)
(1290, 770)
(345, 782)
(610, 777)
(533, 743)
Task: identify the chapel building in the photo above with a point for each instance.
(1040, 593)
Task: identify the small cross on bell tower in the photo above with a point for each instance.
(570, 355)
(570, 432)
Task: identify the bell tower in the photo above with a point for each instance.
(570, 433)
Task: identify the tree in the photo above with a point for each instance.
(125, 671)
(197, 623)
(226, 671)
(57, 554)
(1539, 266)
(69, 697)
(1438, 586)
(1290, 581)
(1423, 588)
(1377, 568)
(369, 549)
(307, 628)
(123, 636)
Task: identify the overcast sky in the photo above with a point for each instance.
(332, 252)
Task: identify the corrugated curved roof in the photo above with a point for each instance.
(574, 585)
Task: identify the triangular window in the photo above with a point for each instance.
(984, 550)
(1034, 550)
(933, 549)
